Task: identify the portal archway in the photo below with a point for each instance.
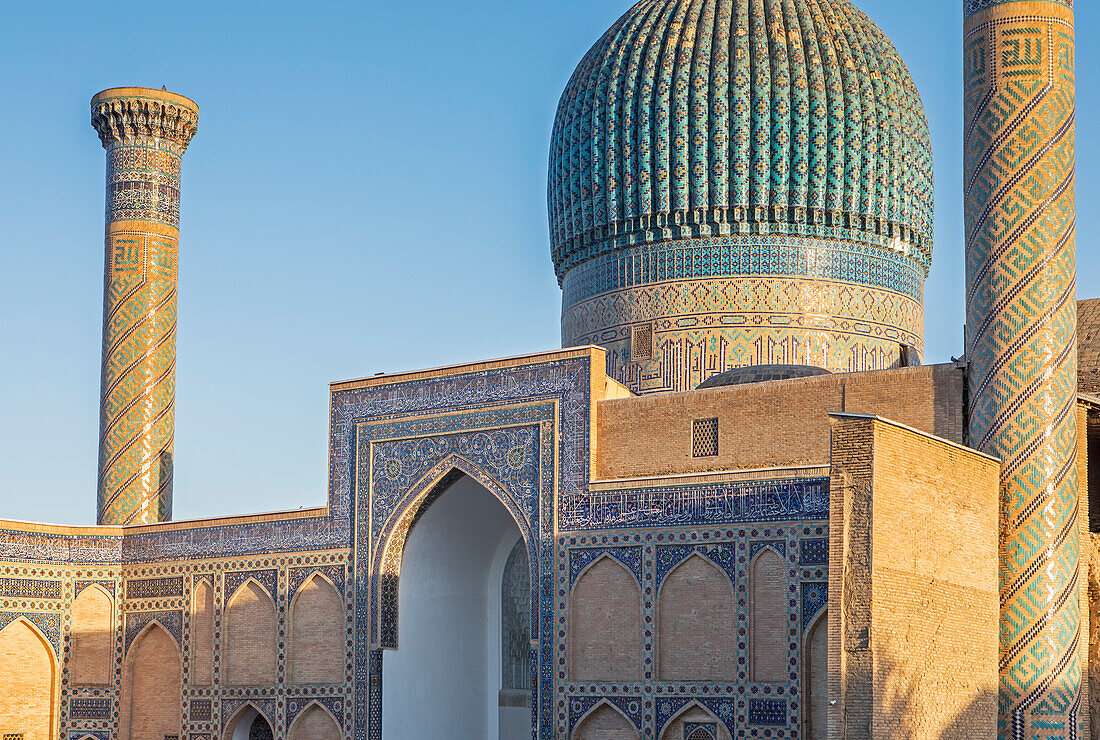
(444, 679)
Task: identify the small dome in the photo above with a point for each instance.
(761, 374)
(716, 117)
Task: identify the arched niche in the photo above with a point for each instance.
(697, 624)
(604, 638)
(694, 722)
(152, 686)
(248, 723)
(202, 634)
(317, 633)
(815, 679)
(768, 621)
(605, 721)
(315, 723)
(92, 649)
(28, 682)
(251, 637)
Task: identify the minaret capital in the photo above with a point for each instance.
(129, 115)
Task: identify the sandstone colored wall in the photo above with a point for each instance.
(91, 651)
(769, 424)
(913, 585)
(317, 623)
(250, 637)
(152, 688)
(605, 724)
(697, 624)
(314, 724)
(605, 625)
(202, 635)
(768, 618)
(28, 703)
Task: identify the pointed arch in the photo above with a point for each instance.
(605, 721)
(395, 532)
(318, 619)
(28, 670)
(693, 713)
(238, 726)
(815, 679)
(92, 637)
(251, 636)
(314, 723)
(768, 623)
(604, 639)
(696, 623)
(152, 686)
(201, 664)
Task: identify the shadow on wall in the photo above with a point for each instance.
(909, 708)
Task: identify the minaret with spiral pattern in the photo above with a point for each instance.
(145, 133)
(1021, 342)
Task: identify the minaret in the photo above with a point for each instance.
(1021, 341)
(145, 133)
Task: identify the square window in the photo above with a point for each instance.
(704, 438)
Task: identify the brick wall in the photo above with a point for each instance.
(250, 637)
(152, 688)
(27, 701)
(697, 624)
(314, 724)
(675, 729)
(605, 625)
(768, 619)
(768, 424)
(91, 656)
(317, 634)
(605, 724)
(202, 635)
(913, 585)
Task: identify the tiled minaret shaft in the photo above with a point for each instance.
(145, 133)
(1021, 341)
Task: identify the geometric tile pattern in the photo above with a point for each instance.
(705, 326)
(1019, 103)
(145, 133)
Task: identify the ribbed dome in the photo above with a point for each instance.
(696, 118)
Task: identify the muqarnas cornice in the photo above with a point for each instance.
(131, 115)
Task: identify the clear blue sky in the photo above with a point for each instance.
(366, 194)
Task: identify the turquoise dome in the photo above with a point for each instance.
(712, 118)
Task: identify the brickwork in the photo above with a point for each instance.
(152, 688)
(605, 625)
(1088, 346)
(695, 716)
(314, 724)
(769, 424)
(605, 724)
(697, 624)
(250, 637)
(768, 618)
(912, 648)
(27, 674)
(93, 636)
(202, 635)
(816, 681)
(317, 634)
